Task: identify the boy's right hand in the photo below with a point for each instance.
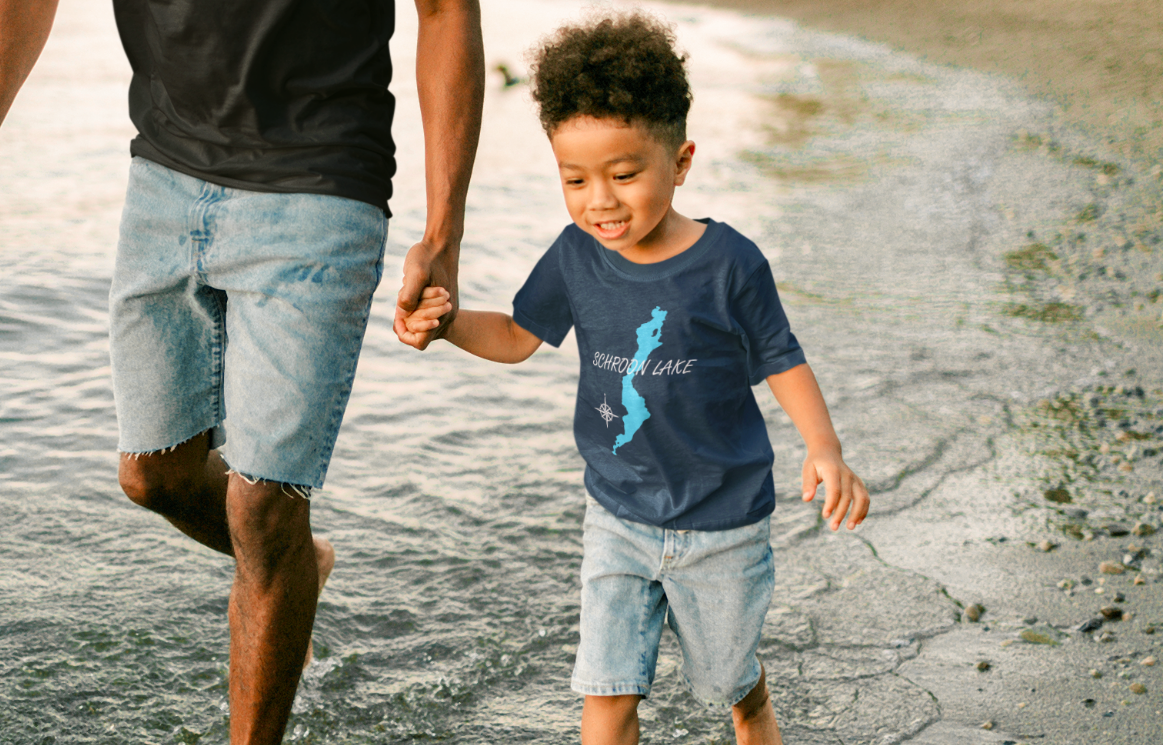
(412, 328)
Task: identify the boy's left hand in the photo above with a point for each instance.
(414, 327)
(844, 491)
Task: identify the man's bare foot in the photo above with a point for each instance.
(325, 555)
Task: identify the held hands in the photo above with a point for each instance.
(435, 302)
(426, 267)
(844, 491)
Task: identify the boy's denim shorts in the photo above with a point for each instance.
(712, 587)
(243, 312)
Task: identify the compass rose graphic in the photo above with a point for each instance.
(606, 412)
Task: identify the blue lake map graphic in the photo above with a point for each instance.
(636, 411)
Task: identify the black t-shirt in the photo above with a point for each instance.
(268, 95)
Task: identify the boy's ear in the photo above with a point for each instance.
(683, 160)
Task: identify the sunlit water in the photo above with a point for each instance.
(881, 189)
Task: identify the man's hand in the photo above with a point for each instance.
(844, 491)
(24, 27)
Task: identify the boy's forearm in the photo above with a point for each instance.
(799, 394)
(24, 27)
(492, 336)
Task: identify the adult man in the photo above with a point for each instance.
(256, 209)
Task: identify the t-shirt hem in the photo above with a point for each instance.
(541, 332)
(792, 359)
(750, 518)
(140, 149)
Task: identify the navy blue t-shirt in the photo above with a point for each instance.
(665, 419)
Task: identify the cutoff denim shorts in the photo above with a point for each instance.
(239, 312)
(713, 588)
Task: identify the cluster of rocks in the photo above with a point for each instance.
(1098, 455)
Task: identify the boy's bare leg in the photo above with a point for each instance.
(610, 720)
(754, 717)
(272, 603)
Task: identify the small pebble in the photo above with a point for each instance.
(1149, 630)
(1022, 704)
(1067, 584)
(1128, 616)
(1119, 597)
(1118, 529)
(1030, 620)
(1096, 674)
(1047, 546)
(1142, 529)
(1099, 591)
(973, 612)
(987, 725)
(1148, 662)
(1106, 637)
(1139, 580)
(984, 665)
(1111, 567)
(1093, 624)
(1138, 688)
(1111, 613)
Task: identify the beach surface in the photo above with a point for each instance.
(1100, 61)
(971, 264)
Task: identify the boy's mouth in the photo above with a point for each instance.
(611, 229)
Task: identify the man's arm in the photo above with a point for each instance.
(799, 395)
(24, 27)
(450, 77)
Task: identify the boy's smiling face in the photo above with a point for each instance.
(618, 181)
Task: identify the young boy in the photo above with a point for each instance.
(676, 319)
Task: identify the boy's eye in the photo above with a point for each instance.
(624, 176)
(573, 182)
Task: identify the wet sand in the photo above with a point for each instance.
(1101, 62)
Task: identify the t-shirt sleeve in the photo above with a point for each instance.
(771, 346)
(541, 306)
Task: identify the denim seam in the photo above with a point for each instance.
(339, 405)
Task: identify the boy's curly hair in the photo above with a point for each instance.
(617, 65)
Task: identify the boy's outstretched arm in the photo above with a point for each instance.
(486, 334)
(798, 393)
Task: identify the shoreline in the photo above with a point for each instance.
(1100, 63)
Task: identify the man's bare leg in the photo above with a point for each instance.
(272, 604)
(325, 560)
(610, 720)
(754, 717)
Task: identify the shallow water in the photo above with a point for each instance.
(883, 190)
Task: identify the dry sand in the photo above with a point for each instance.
(1100, 61)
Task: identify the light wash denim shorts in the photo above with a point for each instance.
(239, 312)
(712, 587)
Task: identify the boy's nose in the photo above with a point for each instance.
(602, 197)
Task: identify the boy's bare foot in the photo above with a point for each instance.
(325, 555)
